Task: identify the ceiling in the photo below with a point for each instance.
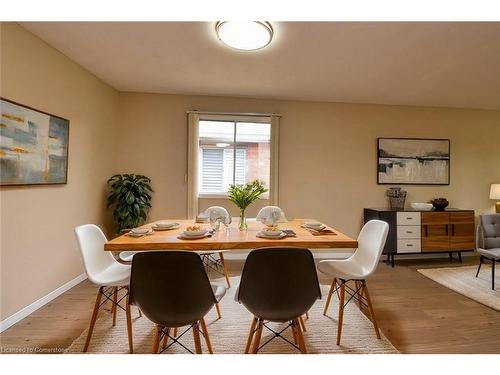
(429, 64)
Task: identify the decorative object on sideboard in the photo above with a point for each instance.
(244, 195)
(495, 195)
(397, 198)
(421, 206)
(34, 146)
(440, 204)
(130, 194)
(413, 161)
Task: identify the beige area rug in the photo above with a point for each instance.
(463, 280)
(229, 334)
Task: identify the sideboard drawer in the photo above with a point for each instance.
(408, 218)
(408, 246)
(408, 231)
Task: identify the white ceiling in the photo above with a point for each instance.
(430, 64)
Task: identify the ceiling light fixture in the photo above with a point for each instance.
(247, 36)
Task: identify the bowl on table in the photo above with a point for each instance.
(271, 232)
(440, 203)
(421, 206)
(194, 231)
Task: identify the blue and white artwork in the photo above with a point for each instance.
(413, 161)
(33, 146)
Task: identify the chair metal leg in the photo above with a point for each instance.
(251, 334)
(328, 299)
(258, 335)
(460, 256)
(493, 274)
(223, 262)
(139, 311)
(480, 264)
(370, 308)
(341, 310)
(93, 319)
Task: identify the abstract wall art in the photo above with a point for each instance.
(413, 161)
(33, 146)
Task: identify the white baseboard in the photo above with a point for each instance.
(24, 312)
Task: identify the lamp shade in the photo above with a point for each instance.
(495, 191)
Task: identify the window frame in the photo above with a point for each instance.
(192, 176)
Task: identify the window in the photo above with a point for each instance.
(232, 152)
(225, 149)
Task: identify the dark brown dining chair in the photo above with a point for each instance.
(278, 285)
(172, 290)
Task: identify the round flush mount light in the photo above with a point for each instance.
(244, 35)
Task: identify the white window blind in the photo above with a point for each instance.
(217, 169)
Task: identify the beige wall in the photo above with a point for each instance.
(327, 166)
(38, 249)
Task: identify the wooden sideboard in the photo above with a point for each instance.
(424, 232)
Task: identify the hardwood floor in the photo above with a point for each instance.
(416, 314)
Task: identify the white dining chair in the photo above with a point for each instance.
(271, 215)
(103, 270)
(357, 269)
(209, 260)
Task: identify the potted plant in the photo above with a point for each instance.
(130, 196)
(243, 196)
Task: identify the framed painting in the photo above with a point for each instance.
(33, 146)
(413, 161)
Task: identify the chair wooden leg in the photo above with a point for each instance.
(307, 315)
(330, 293)
(207, 338)
(223, 262)
(175, 332)
(302, 325)
(156, 340)
(370, 308)
(196, 337)
(129, 327)
(93, 319)
(341, 311)
(217, 307)
(250, 334)
(300, 337)
(115, 301)
(258, 335)
(165, 339)
(139, 311)
(294, 333)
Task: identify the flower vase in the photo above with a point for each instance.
(243, 221)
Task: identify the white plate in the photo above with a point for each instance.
(317, 229)
(176, 226)
(140, 230)
(197, 233)
(182, 237)
(262, 235)
(137, 235)
(275, 233)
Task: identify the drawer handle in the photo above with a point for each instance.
(409, 218)
(409, 244)
(409, 231)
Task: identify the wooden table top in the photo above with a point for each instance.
(229, 239)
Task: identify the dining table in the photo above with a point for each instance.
(230, 237)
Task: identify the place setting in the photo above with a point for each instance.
(161, 226)
(317, 228)
(194, 232)
(139, 232)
